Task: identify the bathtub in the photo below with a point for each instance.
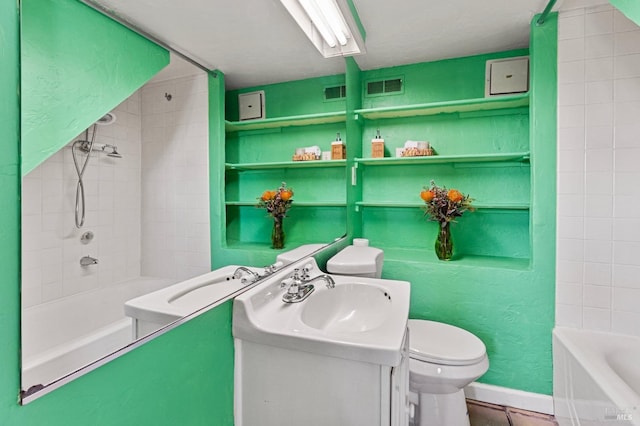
(62, 336)
(596, 378)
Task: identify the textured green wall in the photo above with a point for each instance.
(508, 303)
(77, 65)
(509, 306)
(9, 210)
(183, 377)
(631, 8)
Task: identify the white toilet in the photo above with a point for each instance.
(443, 359)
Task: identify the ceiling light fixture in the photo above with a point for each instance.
(332, 26)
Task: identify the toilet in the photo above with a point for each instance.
(443, 359)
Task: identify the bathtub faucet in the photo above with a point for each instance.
(88, 260)
(245, 275)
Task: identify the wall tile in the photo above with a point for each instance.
(598, 69)
(572, 49)
(606, 139)
(599, 46)
(621, 23)
(598, 23)
(627, 66)
(627, 42)
(596, 319)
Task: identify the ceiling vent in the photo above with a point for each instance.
(335, 92)
(383, 87)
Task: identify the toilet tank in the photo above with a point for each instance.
(358, 260)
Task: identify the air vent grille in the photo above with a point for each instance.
(384, 86)
(335, 92)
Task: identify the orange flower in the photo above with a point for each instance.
(427, 195)
(286, 194)
(455, 195)
(268, 195)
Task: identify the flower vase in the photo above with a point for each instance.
(444, 244)
(277, 234)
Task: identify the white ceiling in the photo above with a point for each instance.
(257, 42)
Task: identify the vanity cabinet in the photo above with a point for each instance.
(283, 387)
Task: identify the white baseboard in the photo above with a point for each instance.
(510, 397)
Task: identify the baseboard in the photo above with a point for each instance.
(510, 397)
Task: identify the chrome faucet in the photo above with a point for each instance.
(88, 260)
(245, 275)
(300, 286)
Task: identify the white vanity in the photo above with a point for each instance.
(338, 357)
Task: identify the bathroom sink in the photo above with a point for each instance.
(168, 304)
(347, 308)
(361, 319)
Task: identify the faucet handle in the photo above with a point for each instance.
(286, 282)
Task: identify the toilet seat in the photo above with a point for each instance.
(443, 344)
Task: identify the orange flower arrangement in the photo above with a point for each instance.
(444, 205)
(276, 202)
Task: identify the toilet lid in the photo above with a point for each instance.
(444, 344)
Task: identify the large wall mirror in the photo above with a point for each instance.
(119, 212)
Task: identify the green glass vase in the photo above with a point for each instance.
(444, 244)
(277, 233)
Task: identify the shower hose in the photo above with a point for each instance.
(86, 146)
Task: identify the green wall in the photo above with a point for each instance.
(9, 210)
(504, 288)
(631, 8)
(183, 377)
(77, 66)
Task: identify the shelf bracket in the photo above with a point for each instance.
(354, 175)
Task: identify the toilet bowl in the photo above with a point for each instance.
(443, 359)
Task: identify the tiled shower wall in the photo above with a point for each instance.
(149, 210)
(598, 252)
(175, 178)
(51, 246)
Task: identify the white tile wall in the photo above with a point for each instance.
(175, 177)
(598, 256)
(149, 210)
(51, 247)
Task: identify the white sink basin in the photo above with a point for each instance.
(348, 308)
(362, 319)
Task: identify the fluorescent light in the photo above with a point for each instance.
(332, 14)
(329, 25)
(319, 20)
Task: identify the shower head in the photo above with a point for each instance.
(114, 151)
(108, 118)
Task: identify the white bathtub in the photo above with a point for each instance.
(62, 336)
(596, 378)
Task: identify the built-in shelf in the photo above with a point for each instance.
(285, 165)
(495, 206)
(442, 159)
(449, 107)
(458, 261)
(294, 204)
(296, 120)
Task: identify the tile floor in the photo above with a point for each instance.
(485, 414)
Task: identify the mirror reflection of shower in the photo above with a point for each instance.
(87, 146)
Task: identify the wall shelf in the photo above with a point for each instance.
(449, 107)
(427, 255)
(278, 122)
(494, 206)
(443, 159)
(285, 165)
(295, 204)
